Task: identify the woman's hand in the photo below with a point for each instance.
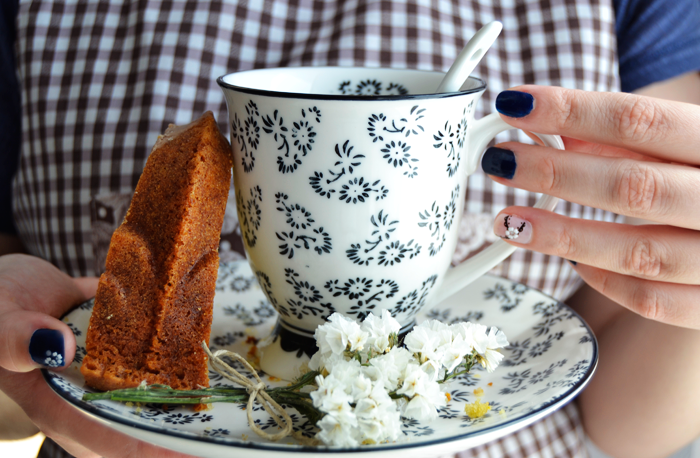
(628, 154)
(33, 295)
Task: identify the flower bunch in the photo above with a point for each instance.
(361, 381)
(367, 381)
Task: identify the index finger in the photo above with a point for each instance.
(654, 127)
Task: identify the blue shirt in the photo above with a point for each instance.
(656, 40)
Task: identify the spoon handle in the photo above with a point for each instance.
(470, 57)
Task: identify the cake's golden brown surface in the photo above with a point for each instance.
(153, 306)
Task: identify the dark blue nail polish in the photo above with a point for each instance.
(515, 104)
(573, 263)
(46, 348)
(499, 162)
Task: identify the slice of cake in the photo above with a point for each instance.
(153, 306)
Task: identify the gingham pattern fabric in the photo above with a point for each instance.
(102, 79)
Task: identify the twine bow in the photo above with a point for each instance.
(256, 391)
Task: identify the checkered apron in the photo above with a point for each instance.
(102, 79)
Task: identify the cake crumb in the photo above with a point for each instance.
(476, 409)
(479, 392)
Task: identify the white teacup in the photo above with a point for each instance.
(350, 185)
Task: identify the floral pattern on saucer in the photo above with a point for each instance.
(551, 356)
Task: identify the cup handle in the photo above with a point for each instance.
(483, 131)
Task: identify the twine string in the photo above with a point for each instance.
(255, 390)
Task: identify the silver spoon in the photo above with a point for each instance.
(470, 57)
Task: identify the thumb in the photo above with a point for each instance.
(33, 295)
(34, 284)
(31, 339)
(87, 285)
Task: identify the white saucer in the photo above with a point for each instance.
(552, 356)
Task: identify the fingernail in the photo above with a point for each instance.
(499, 162)
(573, 263)
(514, 228)
(514, 103)
(46, 347)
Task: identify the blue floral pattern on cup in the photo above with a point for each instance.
(294, 140)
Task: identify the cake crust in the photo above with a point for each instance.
(153, 306)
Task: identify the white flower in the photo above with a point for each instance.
(344, 370)
(392, 425)
(435, 395)
(336, 432)
(371, 430)
(443, 332)
(454, 352)
(316, 362)
(339, 423)
(434, 325)
(355, 394)
(423, 407)
(497, 338)
(433, 369)
(373, 373)
(477, 333)
(512, 233)
(343, 412)
(390, 367)
(338, 334)
(491, 357)
(380, 395)
(424, 341)
(379, 330)
(390, 417)
(320, 361)
(361, 387)
(330, 338)
(357, 338)
(377, 399)
(366, 408)
(384, 426)
(419, 408)
(378, 416)
(414, 382)
(466, 331)
(330, 395)
(424, 392)
(374, 419)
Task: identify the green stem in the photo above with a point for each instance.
(180, 400)
(306, 379)
(163, 394)
(157, 393)
(394, 395)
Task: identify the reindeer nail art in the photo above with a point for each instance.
(512, 227)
